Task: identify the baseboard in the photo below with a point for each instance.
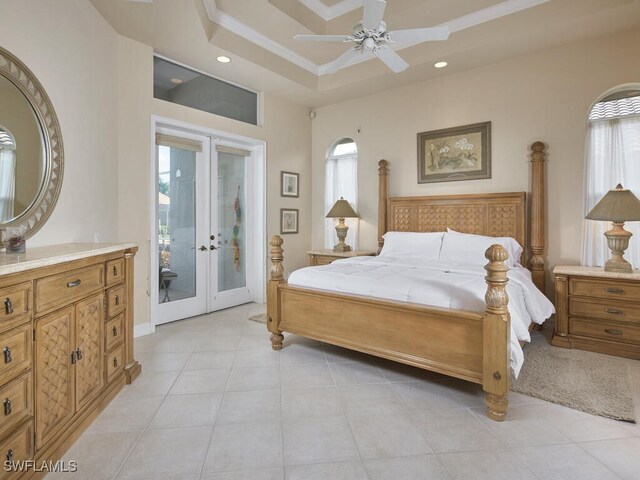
(142, 329)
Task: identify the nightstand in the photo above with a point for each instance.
(325, 257)
(597, 311)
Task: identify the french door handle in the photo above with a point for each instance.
(212, 247)
(202, 248)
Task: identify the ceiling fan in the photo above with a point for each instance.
(371, 36)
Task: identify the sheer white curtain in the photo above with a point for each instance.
(7, 183)
(612, 157)
(341, 180)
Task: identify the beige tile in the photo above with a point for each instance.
(209, 360)
(161, 453)
(371, 398)
(318, 440)
(245, 446)
(164, 362)
(127, 414)
(336, 354)
(299, 354)
(151, 383)
(201, 381)
(187, 411)
(250, 406)
(314, 402)
(484, 466)
(214, 343)
(425, 395)
(270, 474)
(253, 378)
(562, 462)
(355, 373)
(259, 357)
(454, 431)
(384, 436)
(622, 456)
(312, 375)
(399, 372)
(423, 467)
(351, 470)
(254, 342)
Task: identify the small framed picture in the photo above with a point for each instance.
(289, 184)
(288, 220)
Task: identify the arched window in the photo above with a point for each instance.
(612, 157)
(341, 180)
(7, 174)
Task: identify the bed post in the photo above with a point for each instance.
(276, 277)
(496, 328)
(536, 262)
(383, 195)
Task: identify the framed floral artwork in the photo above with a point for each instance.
(289, 184)
(452, 154)
(288, 220)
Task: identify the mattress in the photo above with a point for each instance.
(414, 279)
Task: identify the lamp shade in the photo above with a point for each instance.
(342, 209)
(618, 205)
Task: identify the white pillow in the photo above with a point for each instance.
(466, 248)
(413, 243)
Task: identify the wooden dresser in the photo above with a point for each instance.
(325, 257)
(66, 345)
(597, 311)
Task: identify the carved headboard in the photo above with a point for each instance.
(489, 214)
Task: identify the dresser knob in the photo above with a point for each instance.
(7, 406)
(73, 284)
(7, 355)
(613, 311)
(115, 362)
(117, 300)
(613, 332)
(115, 271)
(614, 290)
(10, 455)
(115, 332)
(8, 306)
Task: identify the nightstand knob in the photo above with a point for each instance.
(614, 290)
(613, 332)
(613, 311)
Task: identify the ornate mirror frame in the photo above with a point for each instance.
(35, 216)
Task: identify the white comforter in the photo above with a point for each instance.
(424, 281)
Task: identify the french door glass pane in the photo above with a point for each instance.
(232, 228)
(176, 223)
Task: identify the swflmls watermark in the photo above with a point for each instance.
(45, 466)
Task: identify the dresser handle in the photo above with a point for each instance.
(10, 455)
(7, 355)
(79, 354)
(8, 306)
(115, 362)
(7, 406)
(115, 271)
(74, 357)
(613, 332)
(75, 283)
(613, 311)
(117, 300)
(614, 290)
(115, 332)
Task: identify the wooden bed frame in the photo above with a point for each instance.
(458, 343)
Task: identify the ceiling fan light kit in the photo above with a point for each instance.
(371, 37)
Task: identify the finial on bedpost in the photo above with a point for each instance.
(277, 270)
(536, 261)
(276, 277)
(496, 332)
(383, 193)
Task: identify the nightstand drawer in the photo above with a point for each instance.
(321, 260)
(606, 330)
(604, 289)
(609, 310)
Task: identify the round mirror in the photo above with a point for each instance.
(31, 155)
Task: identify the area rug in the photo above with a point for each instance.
(260, 318)
(590, 382)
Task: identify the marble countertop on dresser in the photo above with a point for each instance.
(579, 270)
(37, 257)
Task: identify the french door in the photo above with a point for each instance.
(204, 232)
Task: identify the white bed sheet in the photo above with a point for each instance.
(416, 279)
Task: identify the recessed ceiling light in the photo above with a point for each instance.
(176, 81)
(440, 64)
(223, 59)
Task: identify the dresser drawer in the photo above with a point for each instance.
(606, 330)
(114, 332)
(67, 287)
(15, 305)
(16, 403)
(115, 362)
(15, 352)
(604, 289)
(115, 271)
(116, 300)
(604, 309)
(18, 447)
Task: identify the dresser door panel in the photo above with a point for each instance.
(89, 324)
(54, 373)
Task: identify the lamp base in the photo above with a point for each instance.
(342, 248)
(618, 241)
(341, 231)
(618, 266)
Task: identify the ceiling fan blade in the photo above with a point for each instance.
(322, 38)
(418, 35)
(341, 61)
(373, 13)
(391, 59)
(141, 1)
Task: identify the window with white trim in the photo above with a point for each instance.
(341, 180)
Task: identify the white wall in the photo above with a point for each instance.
(70, 49)
(543, 96)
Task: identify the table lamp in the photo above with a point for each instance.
(341, 210)
(618, 206)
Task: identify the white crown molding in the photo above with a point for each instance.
(329, 13)
(230, 23)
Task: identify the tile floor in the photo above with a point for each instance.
(214, 402)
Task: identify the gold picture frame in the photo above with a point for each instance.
(289, 220)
